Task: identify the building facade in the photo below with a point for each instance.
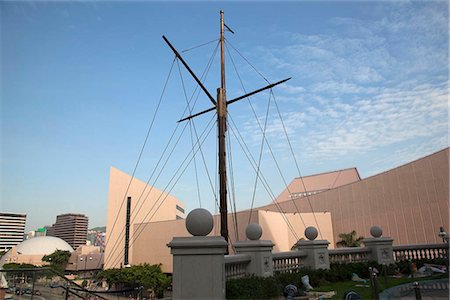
(12, 229)
(72, 228)
(148, 204)
(410, 203)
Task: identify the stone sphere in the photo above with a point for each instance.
(376, 231)
(199, 222)
(253, 231)
(311, 233)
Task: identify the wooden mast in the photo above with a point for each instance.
(222, 128)
(221, 108)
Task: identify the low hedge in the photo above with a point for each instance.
(253, 287)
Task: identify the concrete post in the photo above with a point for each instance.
(260, 252)
(317, 251)
(198, 261)
(381, 247)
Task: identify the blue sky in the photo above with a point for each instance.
(80, 82)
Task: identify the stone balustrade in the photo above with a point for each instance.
(288, 262)
(420, 251)
(201, 267)
(236, 265)
(349, 255)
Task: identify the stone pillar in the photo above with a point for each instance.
(381, 247)
(198, 261)
(260, 252)
(317, 251)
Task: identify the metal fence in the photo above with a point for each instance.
(41, 283)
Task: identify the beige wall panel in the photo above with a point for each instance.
(143, 209)
(408, 191)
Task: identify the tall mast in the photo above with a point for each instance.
(221, 107)
(222, 128)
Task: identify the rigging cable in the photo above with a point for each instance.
(248, 62)
(196, 134)
(151, 188)
(259, 159)
(290, 146)
(335, 180)
(232, 195)
(191, 124)
(296, 164)
(252, 161)
(142, 150)
(264, 138)
(185, 162)
(135, 212)
(198, 46)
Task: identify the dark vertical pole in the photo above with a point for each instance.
(222, 123)
(374, 284)
(221, 120)
(127, 232)
(417, 292)
(34, 280)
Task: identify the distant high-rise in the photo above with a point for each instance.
(12, 229)
(72, 228)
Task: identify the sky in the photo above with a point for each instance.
(81, 83)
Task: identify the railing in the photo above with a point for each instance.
(43, 282)
(349, 255)
(420, 251)
(236, 265)
(288, 262)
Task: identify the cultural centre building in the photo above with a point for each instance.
(410, 203)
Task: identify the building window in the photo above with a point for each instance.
(180, 209)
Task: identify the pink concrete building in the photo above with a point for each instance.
(409, 202)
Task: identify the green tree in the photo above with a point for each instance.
(349, 240)
(148, 276)
(58, 260)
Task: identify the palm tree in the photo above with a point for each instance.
(349, 240)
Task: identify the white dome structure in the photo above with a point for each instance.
(43, 245)
(31, 251)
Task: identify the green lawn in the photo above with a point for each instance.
(364, 290)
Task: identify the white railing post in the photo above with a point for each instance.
(381, 249)
(198, 261)
(317, 251)
(260, 252)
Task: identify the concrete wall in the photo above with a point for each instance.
(141, 211)
(409, 202)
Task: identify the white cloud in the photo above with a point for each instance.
(370, 86)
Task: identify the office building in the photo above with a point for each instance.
(72, 228)
(12, 229)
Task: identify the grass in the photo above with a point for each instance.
(364, 290)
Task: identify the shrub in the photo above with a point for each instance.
(252, 287)
(149, 276)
